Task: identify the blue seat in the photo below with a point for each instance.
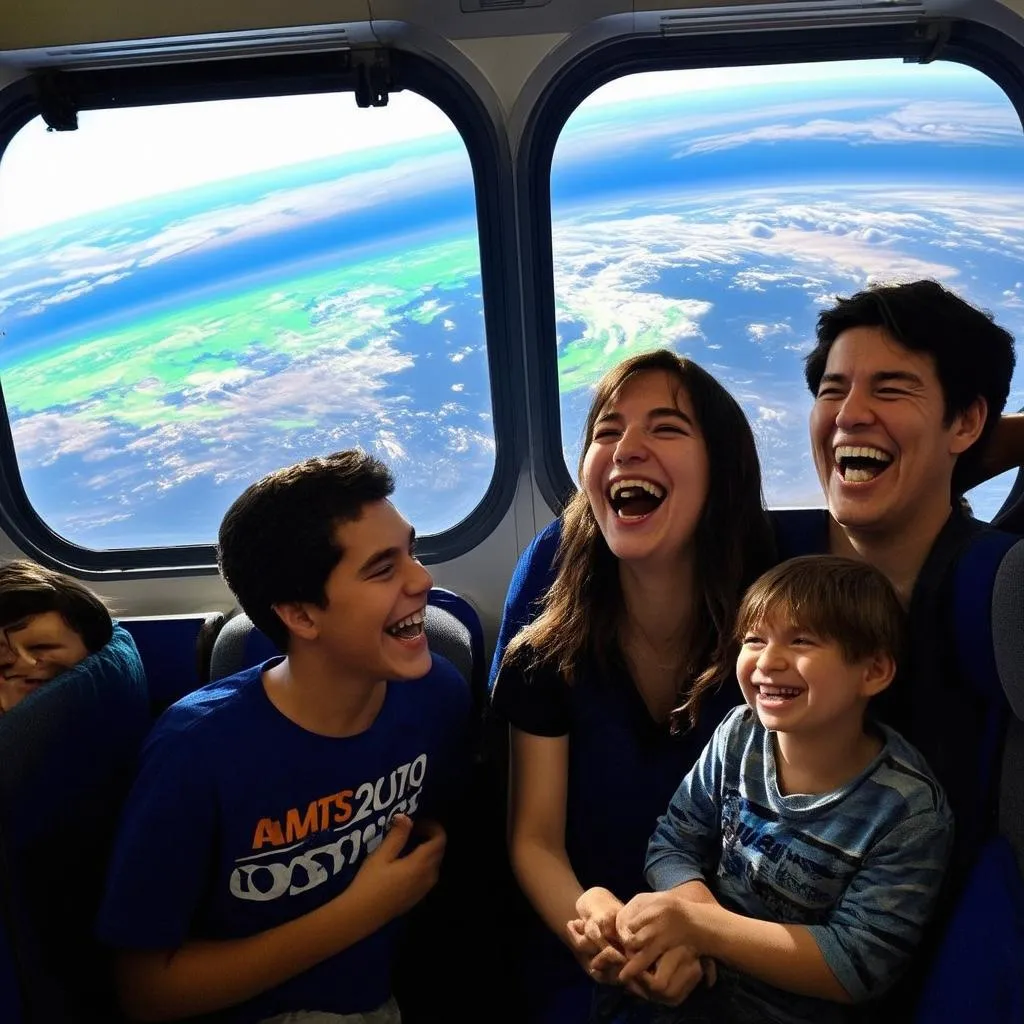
(453, 631)
(1010, 516)
(67, 758)
(978, 973)
(167, 645)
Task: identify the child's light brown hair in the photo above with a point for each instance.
(838, 599)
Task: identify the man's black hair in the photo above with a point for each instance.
(973, 355)
(277, 541)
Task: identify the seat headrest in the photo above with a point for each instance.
(240, 644)
(1008, 635)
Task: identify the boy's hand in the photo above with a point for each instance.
(672, 978)
(655, 928)
(592, 935)
(398, 882)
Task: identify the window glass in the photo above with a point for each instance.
(194, 295)
(717, 212)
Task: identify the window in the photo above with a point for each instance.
(196, 294)
(716, 211)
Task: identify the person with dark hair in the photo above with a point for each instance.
(908, 380)
(921, 377)
(968, 354)
(656, 548)
(285, 819)
(49, 622)
(819, 837)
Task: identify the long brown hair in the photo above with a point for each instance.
(733, 542)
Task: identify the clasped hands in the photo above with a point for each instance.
(649, 945)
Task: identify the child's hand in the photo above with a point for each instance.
(398, 880)
(671, 979)
(660, 944)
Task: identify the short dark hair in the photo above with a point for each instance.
(277, 541)
(848, 602)
(973, 355)
(27, 589)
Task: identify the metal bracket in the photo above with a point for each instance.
(373, 77)
(936, 33)
(58, 109)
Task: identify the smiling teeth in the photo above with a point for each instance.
(416, 619)
(645, 485)
(875, 458)
(778, 691)
(848, 451)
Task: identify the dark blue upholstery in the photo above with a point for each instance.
(10, 997)
(979, 972)
(533, 574)
(67, 757)
(167, 645)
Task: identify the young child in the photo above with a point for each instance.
(264, 854)
(805, 850)
(49, 622)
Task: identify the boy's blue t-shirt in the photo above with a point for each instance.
(241, 820)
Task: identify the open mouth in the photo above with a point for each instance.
(409, 628)
(777, 694)
(634, 499)
(858, 464)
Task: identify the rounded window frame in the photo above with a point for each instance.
(988, 51)
(56, 93)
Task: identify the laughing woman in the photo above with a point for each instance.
(657, 546)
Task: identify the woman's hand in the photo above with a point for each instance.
(593, 937)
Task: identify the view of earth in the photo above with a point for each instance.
(722, 226)
(175, 326)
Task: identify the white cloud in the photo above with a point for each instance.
(760, 332)
(42, 438)
(960, 123)
(781, 248)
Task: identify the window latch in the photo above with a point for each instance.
(373, 78)
(56, 105)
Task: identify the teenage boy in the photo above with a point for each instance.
(805, 850)
(50, 622)
(268, 848)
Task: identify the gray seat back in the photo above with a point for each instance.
(1008, 632)
(240, 644)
